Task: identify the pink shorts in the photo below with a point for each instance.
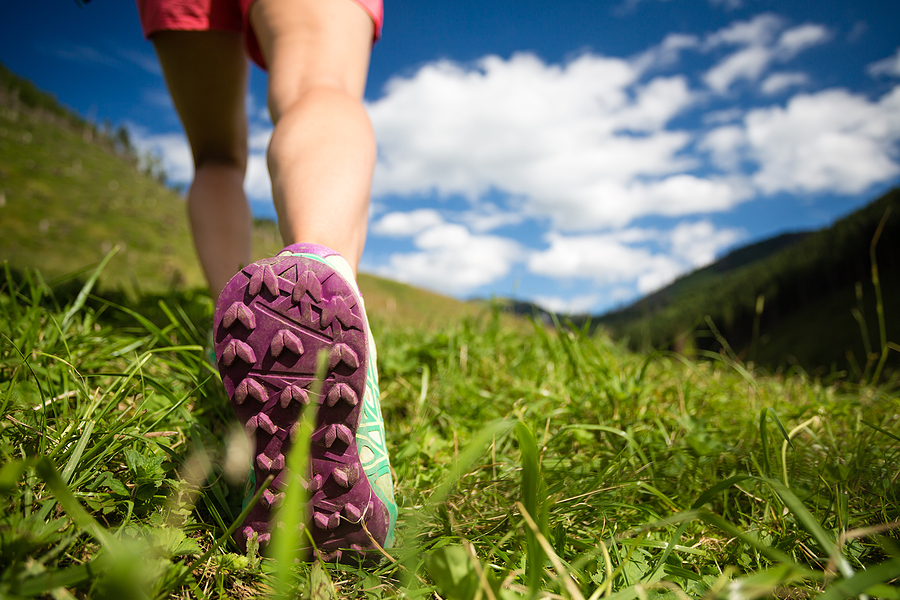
(221, 15)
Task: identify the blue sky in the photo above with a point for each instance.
(576, 154)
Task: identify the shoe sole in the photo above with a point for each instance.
(271, 321)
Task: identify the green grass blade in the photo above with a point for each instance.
(50, 580)
(86, 290)
(809, 522)
(286, 540)
(764, 442)
(752, 541)
(78, 451)
(722, 485)
(73, 508)
(531, 484)
(863, 581)
(468, 457)
(893, 436)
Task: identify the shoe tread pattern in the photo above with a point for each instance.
(271, 321)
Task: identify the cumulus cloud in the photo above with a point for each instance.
(697, 244)
(407, 224)
(582, 150)
(257, 184)
(761, 41)
(725, 145)
(576, 305)
(667, 53)
(448, 257)
(629, 255)
(604, 258)
(779, 82)
(889, 66)
(828, 141)
(586, 144)
(795, 40)
(759, 31)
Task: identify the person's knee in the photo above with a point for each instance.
(231, 158)
(304, 89)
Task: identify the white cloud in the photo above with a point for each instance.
(585, 144)
(407, 224)
(749, 63)
(667, 53)
(576, 305)
(779, 82)
(761, 42)
(759, 31)
(623, 256)
(698, 244)
(829, 141)
(889, 66)
(604, 258)
(795, 40)
(259, 138)
(256, 182)
(725, 145)
(448, 257)
(488, 217)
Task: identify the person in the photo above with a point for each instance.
(274, 317)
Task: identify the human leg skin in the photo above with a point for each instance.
(206, 72)
(322, 152)
(276, 316)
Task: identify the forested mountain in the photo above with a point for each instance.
(811, 303)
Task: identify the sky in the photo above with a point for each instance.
(576, 154)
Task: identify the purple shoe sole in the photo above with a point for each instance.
(271, 321)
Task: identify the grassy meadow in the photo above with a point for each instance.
(528, 464)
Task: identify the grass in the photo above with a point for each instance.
(528, 464)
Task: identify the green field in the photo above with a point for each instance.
(528, 464)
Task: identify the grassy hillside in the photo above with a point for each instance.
(68, 199)
(708, 275)
(811, 303)
(527, 466)
(69, 195)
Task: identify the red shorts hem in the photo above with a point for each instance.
(222, 15)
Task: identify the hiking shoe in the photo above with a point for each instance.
(271, 321)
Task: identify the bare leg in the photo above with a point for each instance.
(322, 151)
(207, 77)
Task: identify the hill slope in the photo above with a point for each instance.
(791, 306)
(733, 261)
(69, 195)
